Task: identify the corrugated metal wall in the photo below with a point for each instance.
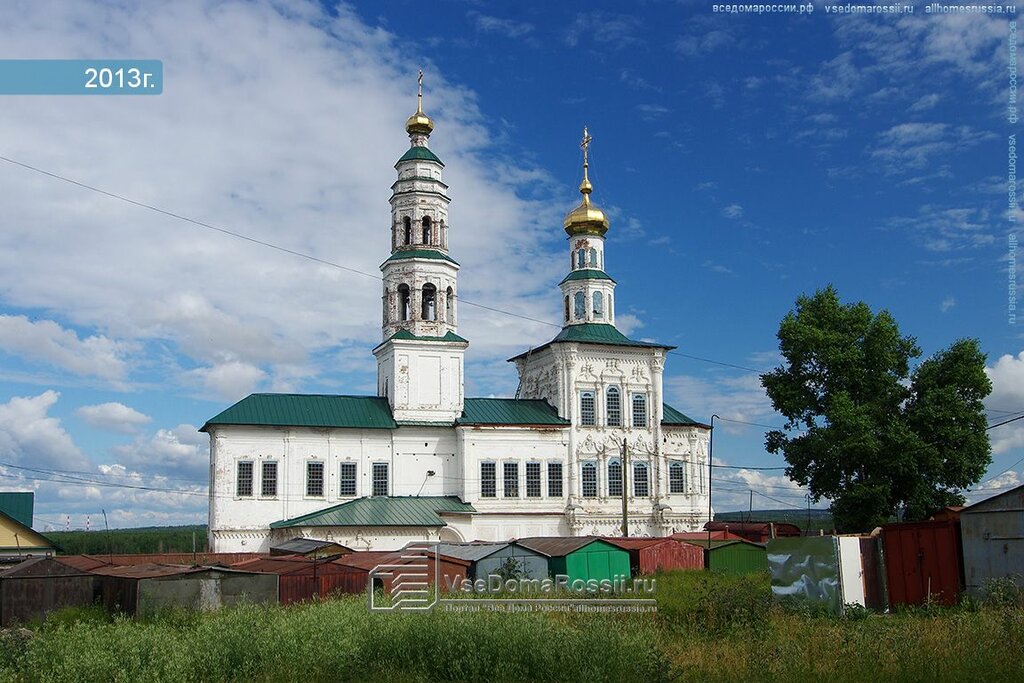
(302, 588)
(738, 558)
(669, 556)
(922, 559)
(26, 598)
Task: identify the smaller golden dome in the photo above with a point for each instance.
(419, 124)
(586, 219)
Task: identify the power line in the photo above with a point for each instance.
(1005, 422)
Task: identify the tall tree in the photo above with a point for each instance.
(864, 431)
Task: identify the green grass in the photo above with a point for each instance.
(708, 627)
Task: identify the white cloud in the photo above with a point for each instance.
(925, 102)
(46, 341)
(231, 380)
(30, 437)
(733, 211)
(1007, 375)
(947, 303)
(179, 452)
(915, 146)
(739, 397)
(114, 416)
(506, 27)
(944, 229)
(606, 29)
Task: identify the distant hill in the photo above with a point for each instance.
(153, 539)
(819, 519)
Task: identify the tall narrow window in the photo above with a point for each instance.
(511, 479)
(641, 480)
(347, 480)
(615, 478)
(598, 305)
(314, 478)
(449, 306)
(426, 230)
(407, 224)
(268, 479)
(639, 410)
(588, 480)
(380, 479)
(243, 483)
(488, 480)
(566, 309)
(580, 304)
(587, 412)
(611, 308)
(613, 407)
(429, 302)
(442, 236)
(404, 306)
(581, 258)
(676, 477)
(593, 258)
(554, 480)
(533, 480)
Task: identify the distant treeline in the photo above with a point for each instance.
(159, 539)
(819, 519)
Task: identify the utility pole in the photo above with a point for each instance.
(750, 508)
(625, 506)
(711, 464)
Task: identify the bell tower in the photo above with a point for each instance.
(420, 361)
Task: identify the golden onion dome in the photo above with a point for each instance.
(419, 123)
(586, 219)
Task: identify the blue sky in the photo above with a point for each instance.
(744, 160)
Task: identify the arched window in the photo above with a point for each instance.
(580, 304)
(587, 408)
(640, 410)
(598, 305)
(449, 305)
(676, 477)
(581, 258)
(404, 309)
(588, 480)
(408, 229)
(641, 480)
(442, 236)
(615, 478)
(429, 302)
(611, 308)
(567, 308)
(613, 407)
(426, 230)
(593, 258)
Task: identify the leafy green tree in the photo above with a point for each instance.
(861, 428)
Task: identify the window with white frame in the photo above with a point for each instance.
(533, 480)
(268, 479)
(598, 305)
(380, 479)
(314, 478)
(243, 482)
(613, 406)
(587, 408)
(488, 480)
(554, 480)
(347, 487)
(639, 410)
(615, 478)
(580, 305)
(510, 479)
(676, 477)
(641, 480)
(588, 480)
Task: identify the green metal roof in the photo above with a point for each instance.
(509, 411)
(307, 410)
(587, 274)
(406, 334)
(671, 416)
(18, 505)
(421, 253)
(382, 511)
(594, 333)
(420, 154)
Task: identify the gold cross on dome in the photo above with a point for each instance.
(585, 144)
(419, 96)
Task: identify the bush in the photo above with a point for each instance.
(714, 602)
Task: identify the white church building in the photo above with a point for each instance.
(420, 461)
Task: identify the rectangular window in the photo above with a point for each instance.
(533, 480)
(268, 479)
(639, 410)
(314, 478)
(613, 406)
(380, 479)
(347, 480)
(676, 477)
(243, 486)
(641, 481)
(555, 479)
(588, 480)
(615, 479)
(488, 480)
(587, 411)
(511, 472)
